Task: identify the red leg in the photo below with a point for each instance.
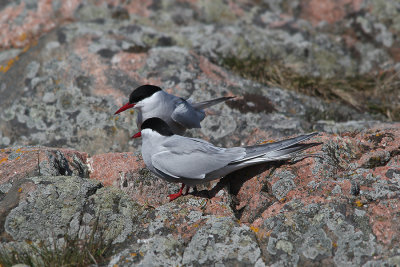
(175, 196)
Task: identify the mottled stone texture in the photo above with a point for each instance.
(338, 206)
(67, 66)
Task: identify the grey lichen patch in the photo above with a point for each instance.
(284, 185)
(32, 69)
(72, 205)
(47, 211)
(316, 243)
(154, 251)
(163, 215)
(222, 241)
(216, 11)
(116, 212)
(315, 233)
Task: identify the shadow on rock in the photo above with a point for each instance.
(235, 180)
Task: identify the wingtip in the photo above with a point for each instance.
(309, 135)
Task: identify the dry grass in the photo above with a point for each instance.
(74, 252)
(377, 94)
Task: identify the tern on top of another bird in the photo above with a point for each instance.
(178, 113)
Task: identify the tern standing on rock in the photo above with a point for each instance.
(178, 113)
(193, 161)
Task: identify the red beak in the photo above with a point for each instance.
(136, 135)
(125, 107)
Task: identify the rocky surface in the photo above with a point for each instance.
(338, 207)
(68, 165)
(65, 68)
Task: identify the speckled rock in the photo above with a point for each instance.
(223, 241)
(70, 205)
(326, 211)
(66, 66)
(62, 89)
(184, 233)
(21, 162)
(337, 206)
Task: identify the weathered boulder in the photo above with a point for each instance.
(62, 89)
(66, 66)
(67, 205)
(338, 206)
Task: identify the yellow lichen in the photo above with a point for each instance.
(334, 245)
(5, 69)
(26, 48)
(141, 253)
(133, 254)
(9, 64)
(359, 203)
(18, 150)
(22, 37)
(254, 229)
(20, 190)
(267, 141)
(3, 159)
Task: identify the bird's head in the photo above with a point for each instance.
(138, 95)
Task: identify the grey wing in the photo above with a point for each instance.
(186, 115)
(193, 158)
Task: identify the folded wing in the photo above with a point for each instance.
(186, 115)
(193, 158)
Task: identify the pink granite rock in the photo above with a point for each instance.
(344, 194)
(22, 162)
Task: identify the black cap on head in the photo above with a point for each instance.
(158, 125)
(143, 92)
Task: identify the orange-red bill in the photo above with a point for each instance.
(136, 135)
(125, 107)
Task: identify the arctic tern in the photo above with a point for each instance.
(178, 113)
(193, 161)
